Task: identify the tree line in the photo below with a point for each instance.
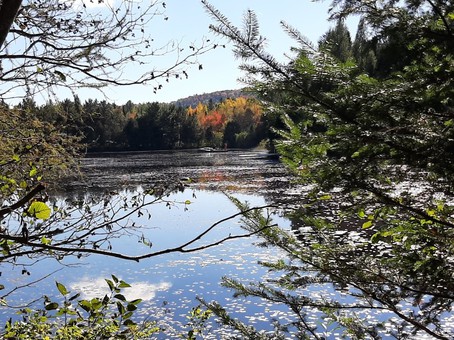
(103, 126)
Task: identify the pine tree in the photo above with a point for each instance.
(374, 220)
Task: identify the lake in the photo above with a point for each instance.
(168, 284)
(200, 184)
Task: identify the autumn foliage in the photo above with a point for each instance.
(246, 112)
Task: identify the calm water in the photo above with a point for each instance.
(169, 284)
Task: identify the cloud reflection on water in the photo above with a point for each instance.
(96, 288)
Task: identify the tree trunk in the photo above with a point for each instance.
(8, 12)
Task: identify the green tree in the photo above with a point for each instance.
(376, 223)
(363, 52)
(102, 124)
(338, 42)
(132, 137)
(190, 133)
(232, 128)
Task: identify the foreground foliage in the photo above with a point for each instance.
(99, 318)
(371, 141)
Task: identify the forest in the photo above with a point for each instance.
(102, 126)
(365, 122)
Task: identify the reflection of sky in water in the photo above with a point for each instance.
(90, 288)
(168, 284)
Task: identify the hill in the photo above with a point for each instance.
(205, 98)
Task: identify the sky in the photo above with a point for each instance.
(189, 22)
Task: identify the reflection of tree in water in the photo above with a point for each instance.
(246, 171)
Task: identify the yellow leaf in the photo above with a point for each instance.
(367, 224)
(33, 172)
(39, 210)
(325, 197)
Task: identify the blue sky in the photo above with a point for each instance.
(188, 22)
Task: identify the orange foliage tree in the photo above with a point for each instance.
(240, 115)
(214, 120)
(246, 111)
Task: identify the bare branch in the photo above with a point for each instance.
(65, 45)
(38, 248)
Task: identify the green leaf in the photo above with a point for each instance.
(130, 307)
(136, 301)
(33, 172)
(39, 210)
(187, 202)
(60, 75)
(120, 297)
(129, 322)
(86, 305)
(111, 284)
(51, 306)
(121, 308)
(325, 197)
(95, 304)
(74, 297)
(440, 206)
(367, 224)
(124, 285)
(61, 288)
(105, 300)
(45, 240)
(449, 123)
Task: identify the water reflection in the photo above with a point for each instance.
(176, 279)
(233, 171)
(95, 287)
